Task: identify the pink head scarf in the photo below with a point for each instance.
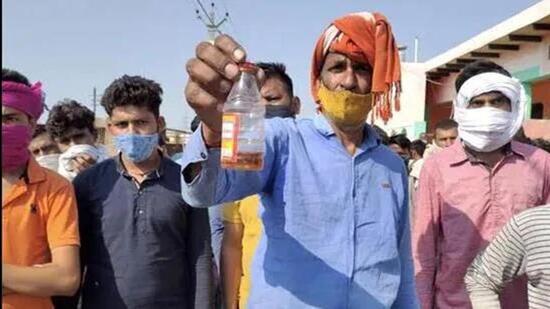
(23, 98)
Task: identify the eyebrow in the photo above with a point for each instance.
(337, 61)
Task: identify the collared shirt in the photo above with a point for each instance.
(506, 150)
(460, 206)
(336, 229)
(38, 215)
(143, 246)
(245, 213)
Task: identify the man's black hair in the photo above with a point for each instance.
(382, 134)
(195, 123)
(14, 76)
(69, 114)
(401, 140)
(478, 67)
(446, 124)
(419, 146)
(132, 90)
(39, 130)
(277, 70)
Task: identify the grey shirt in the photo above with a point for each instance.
(142, 245)
(521, 247)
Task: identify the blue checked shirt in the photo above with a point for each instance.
(336, 231)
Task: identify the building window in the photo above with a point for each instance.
(537, 110)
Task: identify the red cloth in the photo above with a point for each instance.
(23, 98)
(366, 38)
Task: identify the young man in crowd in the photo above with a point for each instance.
(241, 221)
(333, 199)
(469, 190)
(401, 145)
(44, 148)
(71, 125)
(39, 218)
(142, 245)
(446, 132)
(418, 147)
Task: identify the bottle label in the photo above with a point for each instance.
(230, 132)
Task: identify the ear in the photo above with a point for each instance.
(296, 105)
(316, 85)
(161, 124)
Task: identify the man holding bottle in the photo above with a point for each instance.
(333, 199)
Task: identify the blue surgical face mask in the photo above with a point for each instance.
(136, 147)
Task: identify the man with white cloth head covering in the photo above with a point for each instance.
(468, 191)
(489, 110)
(71, 125)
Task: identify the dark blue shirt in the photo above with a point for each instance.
(216, 231)
(142, 245)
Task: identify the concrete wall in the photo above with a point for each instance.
(532, 58)
(531, 65)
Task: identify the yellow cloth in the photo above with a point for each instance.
(245, 212)
(345, 108)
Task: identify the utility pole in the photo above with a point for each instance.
(95, 100)
(416, 49)
(209, 20)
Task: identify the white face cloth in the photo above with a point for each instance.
(487, 129)
(65, 165)
(50, 161)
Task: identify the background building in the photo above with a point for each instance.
(521, 44)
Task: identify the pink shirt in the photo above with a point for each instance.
(460, 206)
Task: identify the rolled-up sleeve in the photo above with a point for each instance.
(215, 185)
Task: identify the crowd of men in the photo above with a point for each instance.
(341, 215)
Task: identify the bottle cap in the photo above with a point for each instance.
(248, 67)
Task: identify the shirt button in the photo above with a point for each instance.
(140, 212)
(96, 283)
(203, 155)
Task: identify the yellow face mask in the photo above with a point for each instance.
(346, 110)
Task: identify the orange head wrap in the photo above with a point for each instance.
(365, 38)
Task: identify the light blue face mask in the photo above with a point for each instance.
(136, 147)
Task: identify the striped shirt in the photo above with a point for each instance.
(522, 247)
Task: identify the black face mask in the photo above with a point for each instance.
(282, 111)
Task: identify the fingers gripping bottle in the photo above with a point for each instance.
(243, 124)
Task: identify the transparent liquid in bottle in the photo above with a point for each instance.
(243, 145)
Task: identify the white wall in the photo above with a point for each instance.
(528, 56)
(413, 98)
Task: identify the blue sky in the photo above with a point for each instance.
(73, 46)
